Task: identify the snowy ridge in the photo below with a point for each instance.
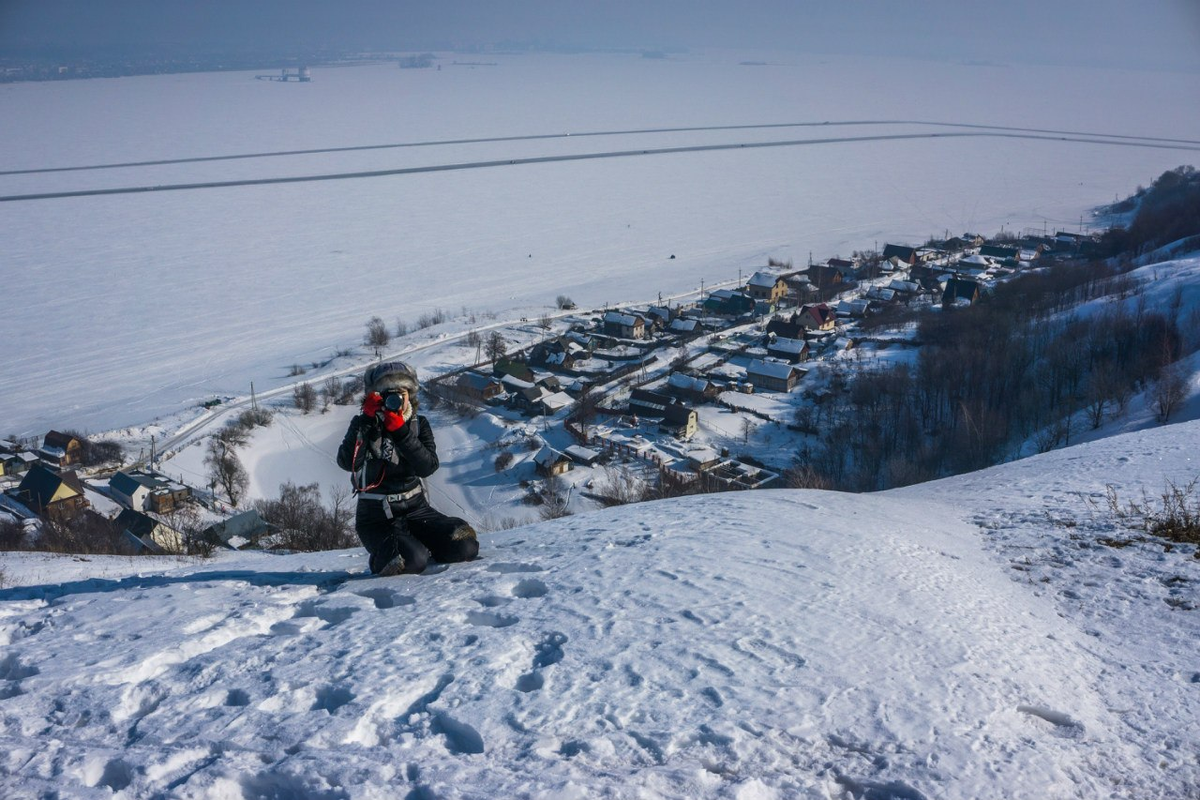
(753, 645)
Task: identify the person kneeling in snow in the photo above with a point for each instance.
(388, 449)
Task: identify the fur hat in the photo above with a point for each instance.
(393, 376)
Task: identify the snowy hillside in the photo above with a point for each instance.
(963, 639)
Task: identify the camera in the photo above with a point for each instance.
(393, 401)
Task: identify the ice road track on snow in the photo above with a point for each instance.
(999, 132)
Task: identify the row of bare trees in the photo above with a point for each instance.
(989, 379)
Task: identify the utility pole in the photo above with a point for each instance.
(253, 399)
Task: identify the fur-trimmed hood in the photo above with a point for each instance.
(393, 376)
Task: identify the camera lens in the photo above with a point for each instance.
(393, 402)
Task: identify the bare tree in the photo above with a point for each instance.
(620, 487)
(497, 346)
(748, 427)
(1168, 392)
(377, 333)
(226, 470)
(584, 411)
(305, 396)
(304, 522)
(555, 496)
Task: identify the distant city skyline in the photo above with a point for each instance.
(1159, 34)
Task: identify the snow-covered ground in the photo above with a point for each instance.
(967, 638)
(117, 311)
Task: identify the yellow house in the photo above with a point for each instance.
(54, 495)
(767, 287)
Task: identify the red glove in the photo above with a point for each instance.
(372, 404)
(392, 421)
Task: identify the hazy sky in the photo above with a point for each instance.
(1143, 33)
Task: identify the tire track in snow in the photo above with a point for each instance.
(1084, 139)
(580, 135)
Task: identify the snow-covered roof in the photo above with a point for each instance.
(770, 369)
(548, 456)
(680, 381)
(684, 325)
(475, 381)
(514, 383)
(785, 345)
(582, 454)
(764, 280)
(626, 320)
(557, 401)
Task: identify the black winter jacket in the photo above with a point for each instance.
(415, 449)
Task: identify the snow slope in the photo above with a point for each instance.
(118, 310)
(967, 638)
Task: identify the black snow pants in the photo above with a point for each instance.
(416, 531)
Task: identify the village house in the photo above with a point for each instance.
(583, 455)
(703, 459)
(57, 496)
(552, 403)
(905, 255)
(852, 309)
(881, 295)
(61, 449)
(684, 327)
(143, 491)
(17, 463)
(558, 353)
(675, 417)
(766, 287)
(476, 387)
(529, 400)
(799, 287)
(147, 533)
(847, 267)
(905, 290)
(786, 328)
(1000, 252)
(624, 326)
(826, 279)
(728, 303)
(237, 532)
(790, 350)
(818, 317)
(660, 316)
(690, 389)
(773, 376)
(959, 290)
(550, 462)
(514, 367)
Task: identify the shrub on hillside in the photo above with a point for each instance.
(301, 521)
(96, 453)
(1173, 515)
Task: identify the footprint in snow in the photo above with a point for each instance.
(1064, 725)
(489, 619)
(506, 568)
(386, 598)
